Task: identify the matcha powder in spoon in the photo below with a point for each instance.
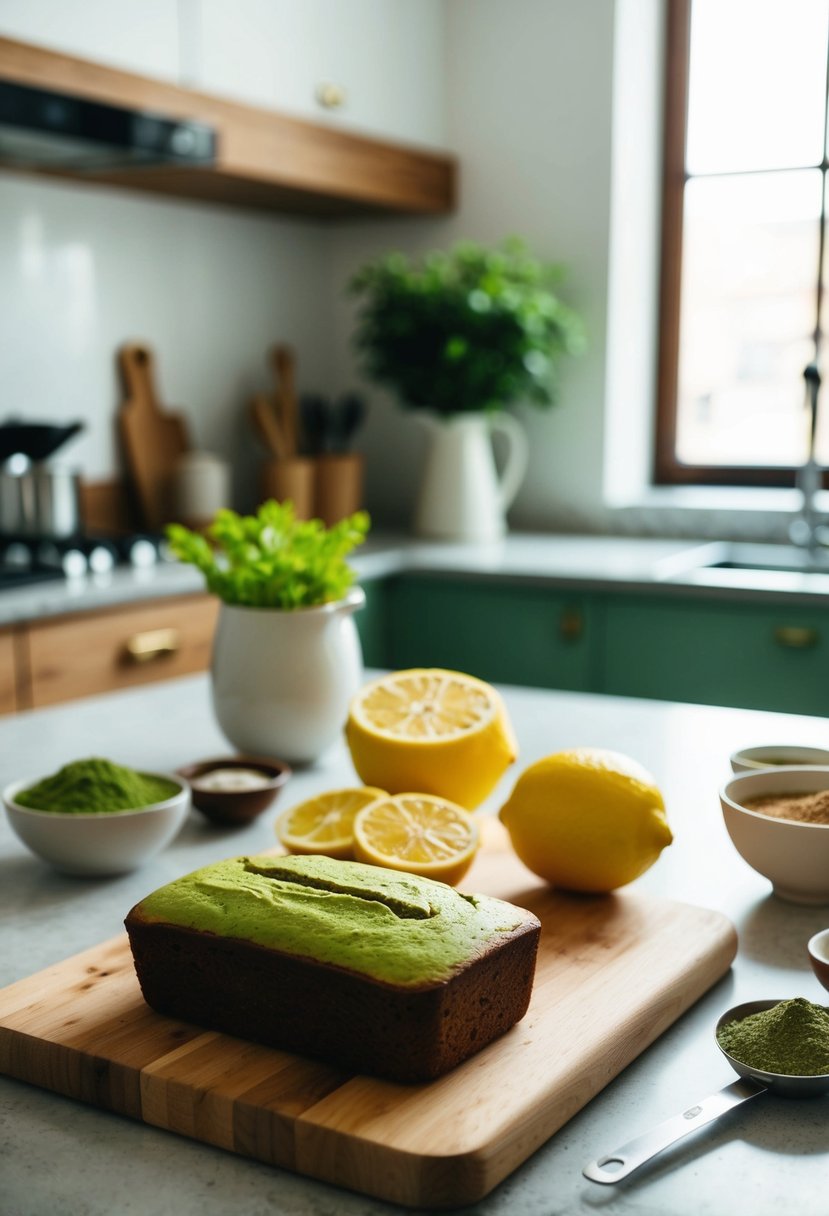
(94, 787)
(791, 1039)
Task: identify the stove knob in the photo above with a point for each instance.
(102, 558)
(142, 553)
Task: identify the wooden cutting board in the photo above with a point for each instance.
(613, 973)
(153, 439)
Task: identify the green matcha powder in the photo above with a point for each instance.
(94, 787)
(792, 1039)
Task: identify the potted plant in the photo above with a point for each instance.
(458, 337)
(286, 655)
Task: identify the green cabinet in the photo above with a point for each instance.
(373, 622)
(499, 632)
(659, 644)
(756, 656)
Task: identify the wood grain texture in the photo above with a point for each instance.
(87, 654)
(154, 439)
(8, 672)
(265, 159)
(613, 973)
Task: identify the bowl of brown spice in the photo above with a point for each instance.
(778, 821)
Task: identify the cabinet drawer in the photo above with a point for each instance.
(742, 654)
(8, 673)
(506, 634)
(123, 648)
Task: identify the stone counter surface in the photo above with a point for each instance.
(598, 563)
(61, 1158)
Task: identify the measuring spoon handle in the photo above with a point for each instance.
(636, 1152)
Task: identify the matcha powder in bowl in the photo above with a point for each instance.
(96, 786)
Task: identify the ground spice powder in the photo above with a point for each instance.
(792, 1039)
(803, 808)
(95, 786)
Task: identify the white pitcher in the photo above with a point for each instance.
(281, 681)
(461, 496)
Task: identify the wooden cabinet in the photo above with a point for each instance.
(113, 649)
(502, 633)
(379, 71)
(8, 671)
(749, 655)
(264, 159)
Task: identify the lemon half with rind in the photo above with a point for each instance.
(429, 729)
(589, 819)
(325, 823)
(418, 834)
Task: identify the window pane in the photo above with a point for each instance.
(757, 84)
(747, 317)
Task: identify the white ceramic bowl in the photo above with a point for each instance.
(750, 759)
(112, 842)
(793, 855)
(818, 951)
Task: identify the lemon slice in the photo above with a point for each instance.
(325, 823)
(440, 732)
(419, 834)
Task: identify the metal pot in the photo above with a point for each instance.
(40, 501)
(35, 440)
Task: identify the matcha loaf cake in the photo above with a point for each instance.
(370, 969)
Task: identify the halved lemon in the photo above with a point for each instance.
(419, 834)
(325, 823)
(440, 732)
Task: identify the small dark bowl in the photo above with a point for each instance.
(818, 948)
(234, 807)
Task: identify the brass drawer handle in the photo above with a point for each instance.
(152, 644)
(570, 625)
(796, 637)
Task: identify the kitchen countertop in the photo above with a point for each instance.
(598, 563)
(61, 1158)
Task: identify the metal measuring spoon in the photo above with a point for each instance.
(613, 1167)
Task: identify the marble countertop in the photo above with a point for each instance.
(62, 1158)
(617, 563)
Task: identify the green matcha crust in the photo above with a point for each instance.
(388, 926)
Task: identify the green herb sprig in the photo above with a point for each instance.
(468, 329)
(272, 559)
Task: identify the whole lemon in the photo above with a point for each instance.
(588, 819)
(435, 731)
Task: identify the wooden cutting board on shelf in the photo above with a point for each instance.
(153, 439)
(613, 973)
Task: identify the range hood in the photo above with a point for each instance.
(42, 129)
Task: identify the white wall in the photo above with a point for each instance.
(84, 269)
(529, 87)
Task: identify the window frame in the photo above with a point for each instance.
(667, 469)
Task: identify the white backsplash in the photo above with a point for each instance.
(84, 269)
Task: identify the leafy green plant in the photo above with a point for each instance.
(271, 559)
(471, 329)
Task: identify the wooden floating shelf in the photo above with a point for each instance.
(265, 160)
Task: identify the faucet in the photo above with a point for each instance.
(807, 529)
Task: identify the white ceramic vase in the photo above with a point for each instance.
(461, 496)
(281, 681)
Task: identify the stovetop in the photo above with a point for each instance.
(25, 560)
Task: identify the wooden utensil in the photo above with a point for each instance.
(284, 363)
(268, 427)
(153, 439)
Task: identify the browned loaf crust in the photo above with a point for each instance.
(315, 1009)
(352, 1021)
